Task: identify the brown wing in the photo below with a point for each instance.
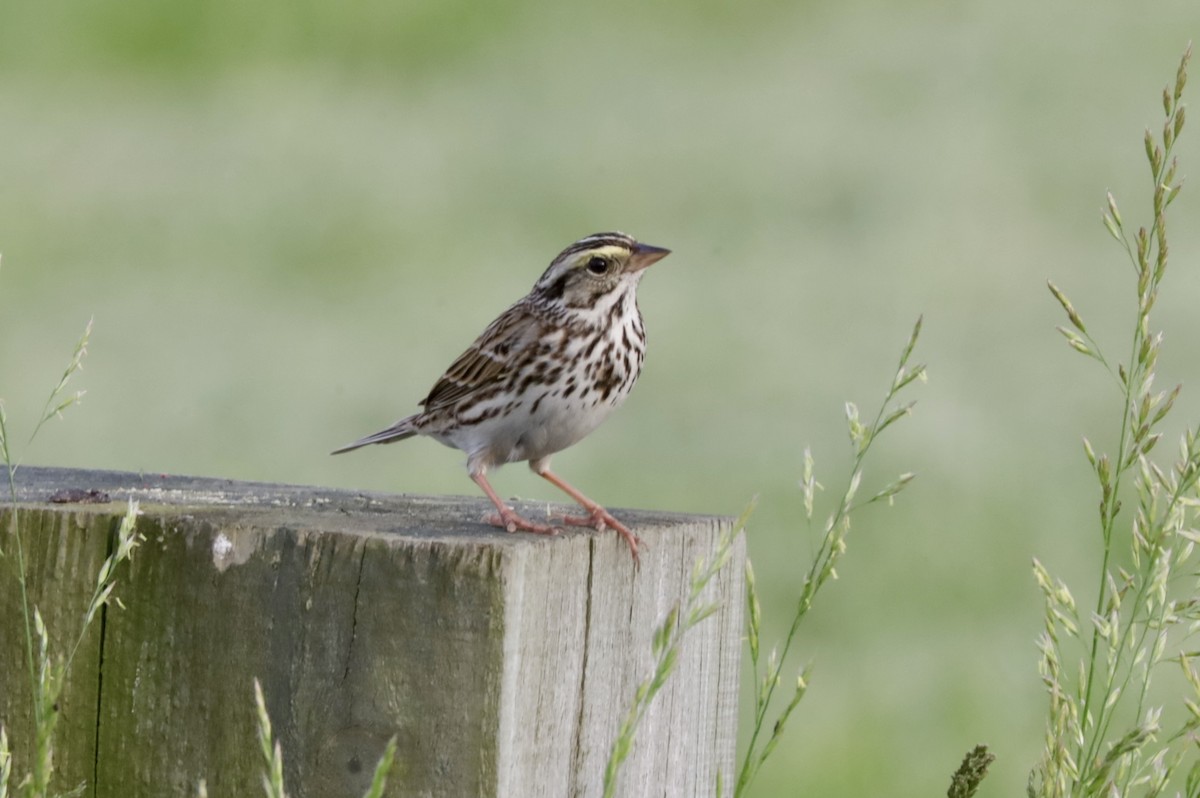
(489, 358)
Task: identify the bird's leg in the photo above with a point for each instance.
(598, 518)
(508, 517)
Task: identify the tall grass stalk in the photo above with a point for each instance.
(666, 644)
(5, 763)
(47, 671)
(55, 404)
(1106, 733)
(830, 549)
(966, 780)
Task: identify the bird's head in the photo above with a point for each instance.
(595, 267)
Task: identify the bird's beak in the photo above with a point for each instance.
(645, 255)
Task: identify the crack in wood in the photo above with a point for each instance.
(362, 558)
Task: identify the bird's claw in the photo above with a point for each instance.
(600, 520)
(510, 521)
(597, 518)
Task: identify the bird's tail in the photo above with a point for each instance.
(404, 428)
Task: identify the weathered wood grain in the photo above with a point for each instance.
(503, 663)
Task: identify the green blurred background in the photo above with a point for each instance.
(287, 218)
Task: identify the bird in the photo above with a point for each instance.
(544, 375)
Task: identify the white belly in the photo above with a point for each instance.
(535, 427)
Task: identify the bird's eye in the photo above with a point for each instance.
(597, 265)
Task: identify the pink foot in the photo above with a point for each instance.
(510, 521)
(600, 519)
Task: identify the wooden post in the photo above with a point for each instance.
(503, 663)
